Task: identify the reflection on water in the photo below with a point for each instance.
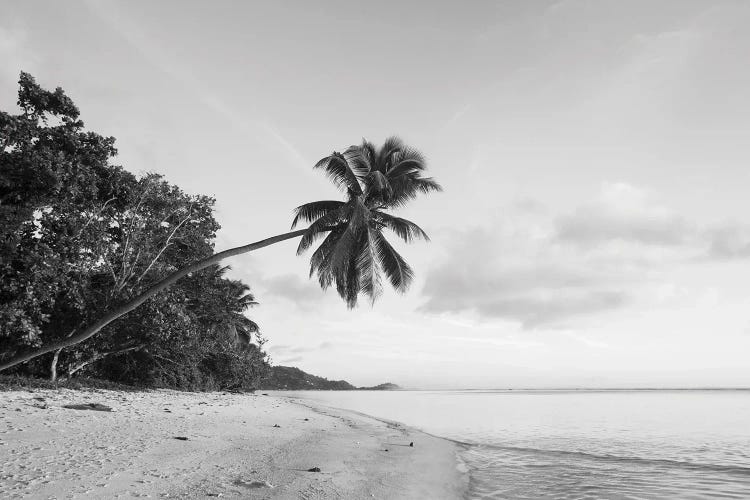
(581, 444)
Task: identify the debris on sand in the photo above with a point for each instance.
(181, 438)
(411, 444)
(253, 484)
(89, 406)
(314, 469)
(276, 425)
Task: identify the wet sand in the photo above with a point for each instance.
(233, 449)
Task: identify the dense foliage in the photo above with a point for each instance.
(78, 236)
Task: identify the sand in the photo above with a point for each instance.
(233, 449)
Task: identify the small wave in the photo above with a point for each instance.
(617, 458)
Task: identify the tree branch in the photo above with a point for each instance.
(164, 247)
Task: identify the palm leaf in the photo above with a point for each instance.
(368, 267)
(404, 229)
(320, 226)
(321, 258)
(340, 171)
(246, 324)
(405, 189)
(394, 266)
(377, 184)
(312, 211)
(391, 145)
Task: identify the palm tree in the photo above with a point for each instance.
(354, 253)
(227, 316)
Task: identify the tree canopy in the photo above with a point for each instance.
(80, 235)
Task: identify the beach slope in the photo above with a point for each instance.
(163, 444)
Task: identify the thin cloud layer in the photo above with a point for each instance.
(730, 241)
(625, 213)
(545, 270)
(525, 286)
(291, 354)
(293, 288)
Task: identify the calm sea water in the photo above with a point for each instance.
(581, 444)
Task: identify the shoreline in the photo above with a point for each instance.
(233, 448)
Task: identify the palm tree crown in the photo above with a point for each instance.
(355, 254)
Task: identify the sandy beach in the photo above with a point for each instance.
(237, 446)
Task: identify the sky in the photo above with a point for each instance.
(594, 228)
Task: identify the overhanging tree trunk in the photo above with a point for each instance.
(150, 292)
(101, 355)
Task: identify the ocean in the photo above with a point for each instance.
(580, 444)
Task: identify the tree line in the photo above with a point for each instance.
(79, 235)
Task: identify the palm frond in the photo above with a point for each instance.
(246, 324)
(333, 257)
(427, 185)
(358, 162)
(338, 168)
(406, 189)
(385, 156)
(406, 160)
(404, 229)
(312, 211)
(347, 283)
(319, 258)
(377, 184)
(368, 267)
(399, 273)
(320, 226)
(369, 154)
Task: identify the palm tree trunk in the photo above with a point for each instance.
(140, 299)
(53, 366)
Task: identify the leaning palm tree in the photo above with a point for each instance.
(354, 254)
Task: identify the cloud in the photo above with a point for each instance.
(292, 354)
(284, 349)
(524, 286)
(542, 269)
(293, 359)
(549, 308)
(730, 241)
(291, 287)
(623, 213)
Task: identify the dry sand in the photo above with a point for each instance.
(233, 449)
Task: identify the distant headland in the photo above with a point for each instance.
(293, 379)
